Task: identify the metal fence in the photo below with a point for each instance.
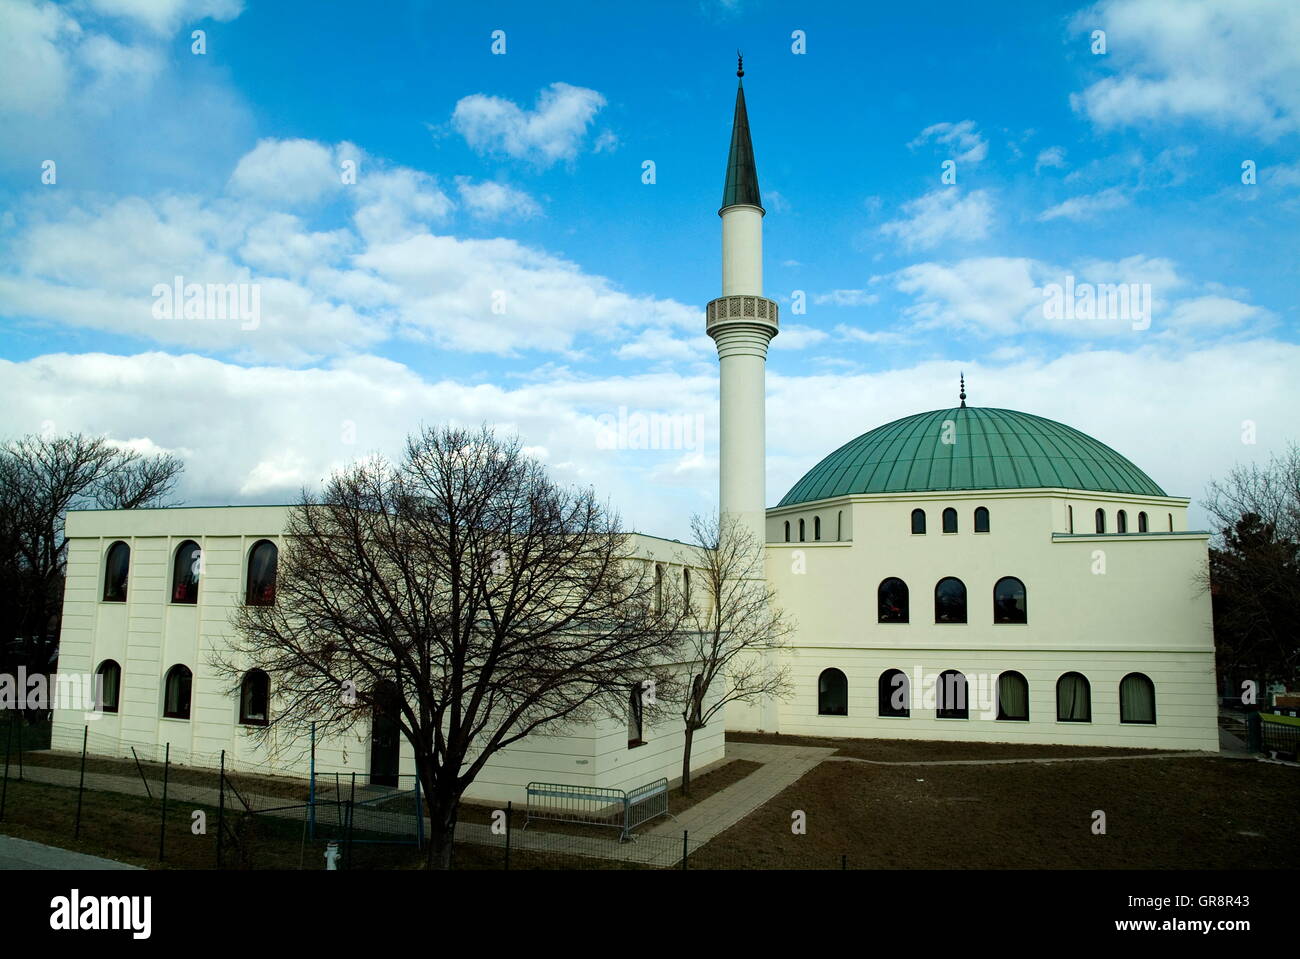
(597, 805)
(1274, 733)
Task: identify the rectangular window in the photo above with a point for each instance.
(635, 718)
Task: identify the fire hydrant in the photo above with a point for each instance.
(332, 856)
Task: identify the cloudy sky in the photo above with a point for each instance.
(447, 223)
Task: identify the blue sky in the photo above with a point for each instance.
(499, 257)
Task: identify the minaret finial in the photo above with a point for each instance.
(962, 395)
(740, 64)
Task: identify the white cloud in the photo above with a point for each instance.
(846, 298)
(281, 428)
(489, 200)
(163, 16)
(797, 337)
(943, 214)
(1086, 207)
(1231, 63)
(965, 142)
(553, 130)
(286, 172)
(1051, 157)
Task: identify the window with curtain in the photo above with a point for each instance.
(950, 696)
(262, 560)
(176, 692)
(117, 567)
(950, 520)
(891, 601)
(918, 521)
(1137, 699)
(832, 693)
(1121, 522)
(185, 573)
(1009, 601)
(109, 677)
(981, 519)
(635, 718)
(254, 698)
(950, 601)
(894, 695)
(1073, 699)
(1013, 696)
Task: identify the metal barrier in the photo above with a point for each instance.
(1276, 733)
(597, 805)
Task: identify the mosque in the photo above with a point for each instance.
(958, 574)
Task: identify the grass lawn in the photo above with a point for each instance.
(925, 750)
(1194, 813)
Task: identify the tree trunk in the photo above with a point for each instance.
(686, 761)
(442, 831)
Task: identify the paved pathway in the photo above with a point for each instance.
(24, 854)
(782, 767)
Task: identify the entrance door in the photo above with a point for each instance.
(385, 736)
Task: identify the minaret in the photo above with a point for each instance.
(741, 322)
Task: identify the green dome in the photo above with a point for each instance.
(993, 449)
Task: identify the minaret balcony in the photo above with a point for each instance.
(741, 310)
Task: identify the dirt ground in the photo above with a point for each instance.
(1195, 813)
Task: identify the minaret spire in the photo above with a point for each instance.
(741, 188)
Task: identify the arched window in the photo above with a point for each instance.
(817, 527)
(950, 696)
(1142, 523)
(262, 559)
(1171, 522)
(1069, 519)
(1121, 522)
(891, 601)
(1009, 601)
(185, 573)
(832, 693)
(981, 519)
(254, 698)
(918, 521)
(787, 531)
(950, 601)
(1013, 696)
(659, 587)
(635, 717)
(950, 520)
(839, 526)
(117, 566)
(1073, 699)
(894, 696)
(801, 533)
(686, 587)
(1101, 520)
(176, 694)
(109, 677)
(1137, 699)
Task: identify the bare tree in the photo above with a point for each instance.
(731, 629)
(1254, 569)
(41, 478)
(462, 586)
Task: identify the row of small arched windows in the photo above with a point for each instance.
(817, 528)
(1121, 521)
(254, 693)
(1010, 603)
(187, 566)
(1137, 696)
(950, 520)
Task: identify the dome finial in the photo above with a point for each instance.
(962, 395)
(740, 64)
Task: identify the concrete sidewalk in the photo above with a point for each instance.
(24, 854)
(782, 767)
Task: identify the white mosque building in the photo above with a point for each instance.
(958, 574)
